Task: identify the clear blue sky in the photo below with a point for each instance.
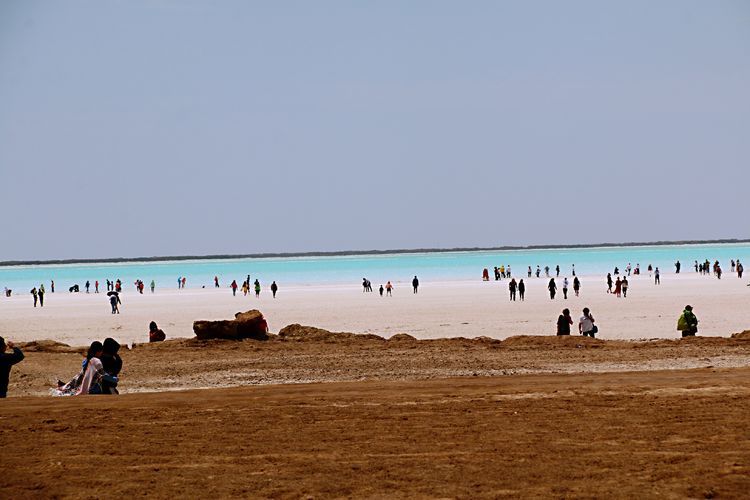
(135, 128)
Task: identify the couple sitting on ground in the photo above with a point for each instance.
(99, 371)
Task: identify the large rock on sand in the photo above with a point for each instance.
(245, 325)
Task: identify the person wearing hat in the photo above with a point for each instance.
(688, 323)
(6, 361)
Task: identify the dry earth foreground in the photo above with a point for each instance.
(525, 417)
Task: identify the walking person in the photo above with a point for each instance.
(618, 287)
(415, 284)
(389, 289)
(609, 282)
(563, 323)
(557, 270)
(521, 289)
(565, 288)
(586, 325)
(657, 281)
(576, 286)
(36, 296)
(233, 286)
(257, 289)
(52, 286)
(512, 286)
(6, 361)
(274, 289)
(625, 287)
(88, 285)
(153, 286)
(41, 295)
(96, 286)
(216, 282)
(552, 287)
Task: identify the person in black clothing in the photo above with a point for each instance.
(274, 289)
(521, 289)
(415, 284)
(6, 361)
(557, 270)
(563, 323)
(112, 364)
(552, 288)
(512, 287)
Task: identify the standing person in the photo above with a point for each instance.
(88, 285)
(609, 282)
(625, 287)
(415, 284)
(586, 325)
(618, 287)
(528, 274)
(389, 289)
(184, 280)
(233, 286)
(6, 361)
(52, 286)
(257, 289)
(546, 271)
(34, 293)
(245, 288)
(557, 270)
(576, 285)
(364, 285)
(563, 323)
(179, 282)
(740, 269)
(573, 269)
(538, 271)
(552, 288)
(274, 289)
(381, 290)
(96, 286)
(216, 282)
(485, 274)
(512, 286)
(153, 286)
(565, 288)
(521, 289)
(41, 295)
(677, 266)
(657, 281)
(688, 323)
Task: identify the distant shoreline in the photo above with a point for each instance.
(345, 253)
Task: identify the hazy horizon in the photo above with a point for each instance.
(170, 128)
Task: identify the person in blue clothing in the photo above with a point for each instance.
(6, 361)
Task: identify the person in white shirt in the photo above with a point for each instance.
(586, 324)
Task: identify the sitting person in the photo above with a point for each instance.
(112, 364)
(155, 334)
(88, 380)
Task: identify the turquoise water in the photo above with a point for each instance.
(439, 266)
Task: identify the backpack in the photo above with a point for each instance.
(682, 323)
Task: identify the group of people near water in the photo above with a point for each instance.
(387, 290)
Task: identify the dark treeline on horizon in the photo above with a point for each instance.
(342, 253)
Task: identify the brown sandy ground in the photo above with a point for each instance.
(660, 434)
(306, 354)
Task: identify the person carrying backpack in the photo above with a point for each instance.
(688, 323)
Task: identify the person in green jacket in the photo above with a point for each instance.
(688, 323)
